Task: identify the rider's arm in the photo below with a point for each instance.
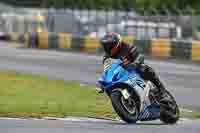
(133, 56)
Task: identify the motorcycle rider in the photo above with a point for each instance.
(115, 48)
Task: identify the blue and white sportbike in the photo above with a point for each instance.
(133, 98)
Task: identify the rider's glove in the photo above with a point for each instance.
(136, 62)
(126, 61)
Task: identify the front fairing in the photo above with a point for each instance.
(116, 74)
(112, 76)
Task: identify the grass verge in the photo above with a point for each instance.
(23, 95)
(191, 115)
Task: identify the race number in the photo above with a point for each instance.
(108, 63)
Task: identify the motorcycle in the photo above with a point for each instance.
(135, 99)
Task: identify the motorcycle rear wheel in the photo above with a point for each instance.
(169, 110)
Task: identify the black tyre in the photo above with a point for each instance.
(126, 109)
(169, 110)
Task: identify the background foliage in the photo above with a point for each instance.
(151, 6)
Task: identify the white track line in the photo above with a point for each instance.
(81, 119)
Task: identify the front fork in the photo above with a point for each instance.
(124, 93)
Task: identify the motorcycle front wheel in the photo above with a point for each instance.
(126, 108)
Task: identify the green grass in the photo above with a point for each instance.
(35, 96)
(191, 115)
(23, 95)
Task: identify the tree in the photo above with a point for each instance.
(174, 6)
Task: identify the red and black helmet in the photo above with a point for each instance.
(111, 43)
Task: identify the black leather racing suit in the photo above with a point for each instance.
(131, 52)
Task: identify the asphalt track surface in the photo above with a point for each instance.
(181, 78)
(94, 126)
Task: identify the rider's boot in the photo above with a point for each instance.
(160, 86)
